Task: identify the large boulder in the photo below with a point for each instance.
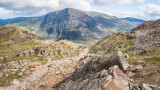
(119, 59)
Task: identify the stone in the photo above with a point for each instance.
(146, 87)
(119, 59)
(120, 80)
(13, 64)
(6, 59)
(2, 67)
(31, 52)
(1, 58)
(126, 56)
(130, 73)
(147, 70)
(14, 70)
(103, 73)
(34, 64)
(26, 53)
(19, 54)
(21, 73)
(142, 62)
(15, 82)
(23, 70)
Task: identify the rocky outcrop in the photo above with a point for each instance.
(15, 34)
(101, 72)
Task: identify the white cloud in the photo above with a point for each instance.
(140, 1)
(151, 11)
(4, 11)
(112, 2)
(40, 7)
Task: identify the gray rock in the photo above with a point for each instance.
(126, 56)
(6, 59)
(119, 59)
(13, 64)
(146, 87)
(31, 52)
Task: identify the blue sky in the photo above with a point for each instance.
(143, 9)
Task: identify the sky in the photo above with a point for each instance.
(142, 9)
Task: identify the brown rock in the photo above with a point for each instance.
(120, 79)
(147, 70)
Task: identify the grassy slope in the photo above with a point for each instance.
(15, 47)
(152, 57)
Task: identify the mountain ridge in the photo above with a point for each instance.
(73, 24)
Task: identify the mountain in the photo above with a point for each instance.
(73, 24)
(4, 22)
(146, 35)
(134, 20)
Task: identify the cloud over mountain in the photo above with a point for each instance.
(120, 8)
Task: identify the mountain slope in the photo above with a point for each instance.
(4, 22)
(134, 20)
(74, 24)
(141, 44)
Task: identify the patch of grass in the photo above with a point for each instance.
(95, 50)
(152, 79)
(59, 84)
(6, 80)
(155, 61)
(40, 59)
(152, 58)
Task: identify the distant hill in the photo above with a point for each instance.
(134, 20)
(4, 22)
(73, 24)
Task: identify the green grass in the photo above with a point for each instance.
(6, 80)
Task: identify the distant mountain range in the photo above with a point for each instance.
(73, 24)
(4, 22)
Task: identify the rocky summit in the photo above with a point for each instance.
(73, 24)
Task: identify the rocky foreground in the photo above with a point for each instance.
(105, 73)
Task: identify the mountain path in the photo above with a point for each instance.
(48, 75)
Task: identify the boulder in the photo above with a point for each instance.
(120, 80)
(119, 59)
